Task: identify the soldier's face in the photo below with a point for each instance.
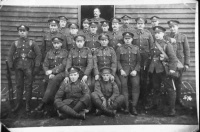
(126, 21)
(86, 25)
(57, 45)
(23, 33)
(96, 13)
(174, 28)
(128, 40)
(140, 25)
(104, 42)
(63, 23)
(159, 35)
(53, 28)
(80, 43)
(73, 30)
(115, 26)
(154, 23)
(93, 29)
(105, 28)
(74, 76)
(106, 77)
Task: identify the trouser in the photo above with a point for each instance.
(168, 83)
(52, 88)
(118, 82)
(178, 83)
(24, 79)
(135, 88)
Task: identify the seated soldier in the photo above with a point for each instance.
(54, 67)
(106, 96)
(73, 97)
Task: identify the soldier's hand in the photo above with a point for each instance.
(171, 71)
(162, 57)
(104, 103)
(51, 76)
(173, 40)
(66, 79)
(123, 73)
(119, 44)
(133, 73)
(186, 67)
(48, 72)
(97, 77)
(84, 79)
(112, 78)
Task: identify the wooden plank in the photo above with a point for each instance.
(154, 10)
(180, 6)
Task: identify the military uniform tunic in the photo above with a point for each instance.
(92, 42)
(116, 37)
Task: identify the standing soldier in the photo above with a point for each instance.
(128, 58)
(92, 38)
(106, 96)
(105, 27)
(24, 57)
(73, 31)
(144, 40)
(54, 67)
(63, 25)
(47, 43)
(126, 24)
(154, 22)
(182, 51)
(86, 27)
(80, 57)
(73, 97)
(116, 38)
(159, 54)
(98, 19)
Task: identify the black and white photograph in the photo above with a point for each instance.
(99, 65)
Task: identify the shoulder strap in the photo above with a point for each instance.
(161, 49)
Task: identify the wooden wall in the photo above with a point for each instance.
(36, 17)
(185, 13)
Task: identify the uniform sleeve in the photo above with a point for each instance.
(172, 57)
(38, 53)
(186, 51)
(151, 40)
(46, 63)
(97, 89)
(43, 48)
(89, 63)
(96, 70)
(85, 89)
(64, 45)
(69, 64)
(119, 66)
(137, 67)
(59, 96)
(62, 66)
(10, 55)
(115, 91)
(114, 62)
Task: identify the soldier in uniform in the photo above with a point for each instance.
(80, 57)
(72, 97)
(86, 27)
(73, 31)
(47, 43)
(105, 27)
(54, 67)
(98, 19)
(106, 96)
(154, 22)
(63, 25)
(24, 57)
(182, 51)
(156, 68)
(144, 40)
(126, 24)
(116, 38)
(128, 58)
(92, 38)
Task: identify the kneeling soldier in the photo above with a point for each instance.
(24, 56)
(106, 96)
(54, 67)
(72, 97)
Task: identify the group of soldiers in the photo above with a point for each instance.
(94, 69)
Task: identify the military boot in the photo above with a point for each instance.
(19, 100)
(126, 110)
(172, 100)
(135, 97)
(69, 111)
(79, 106)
